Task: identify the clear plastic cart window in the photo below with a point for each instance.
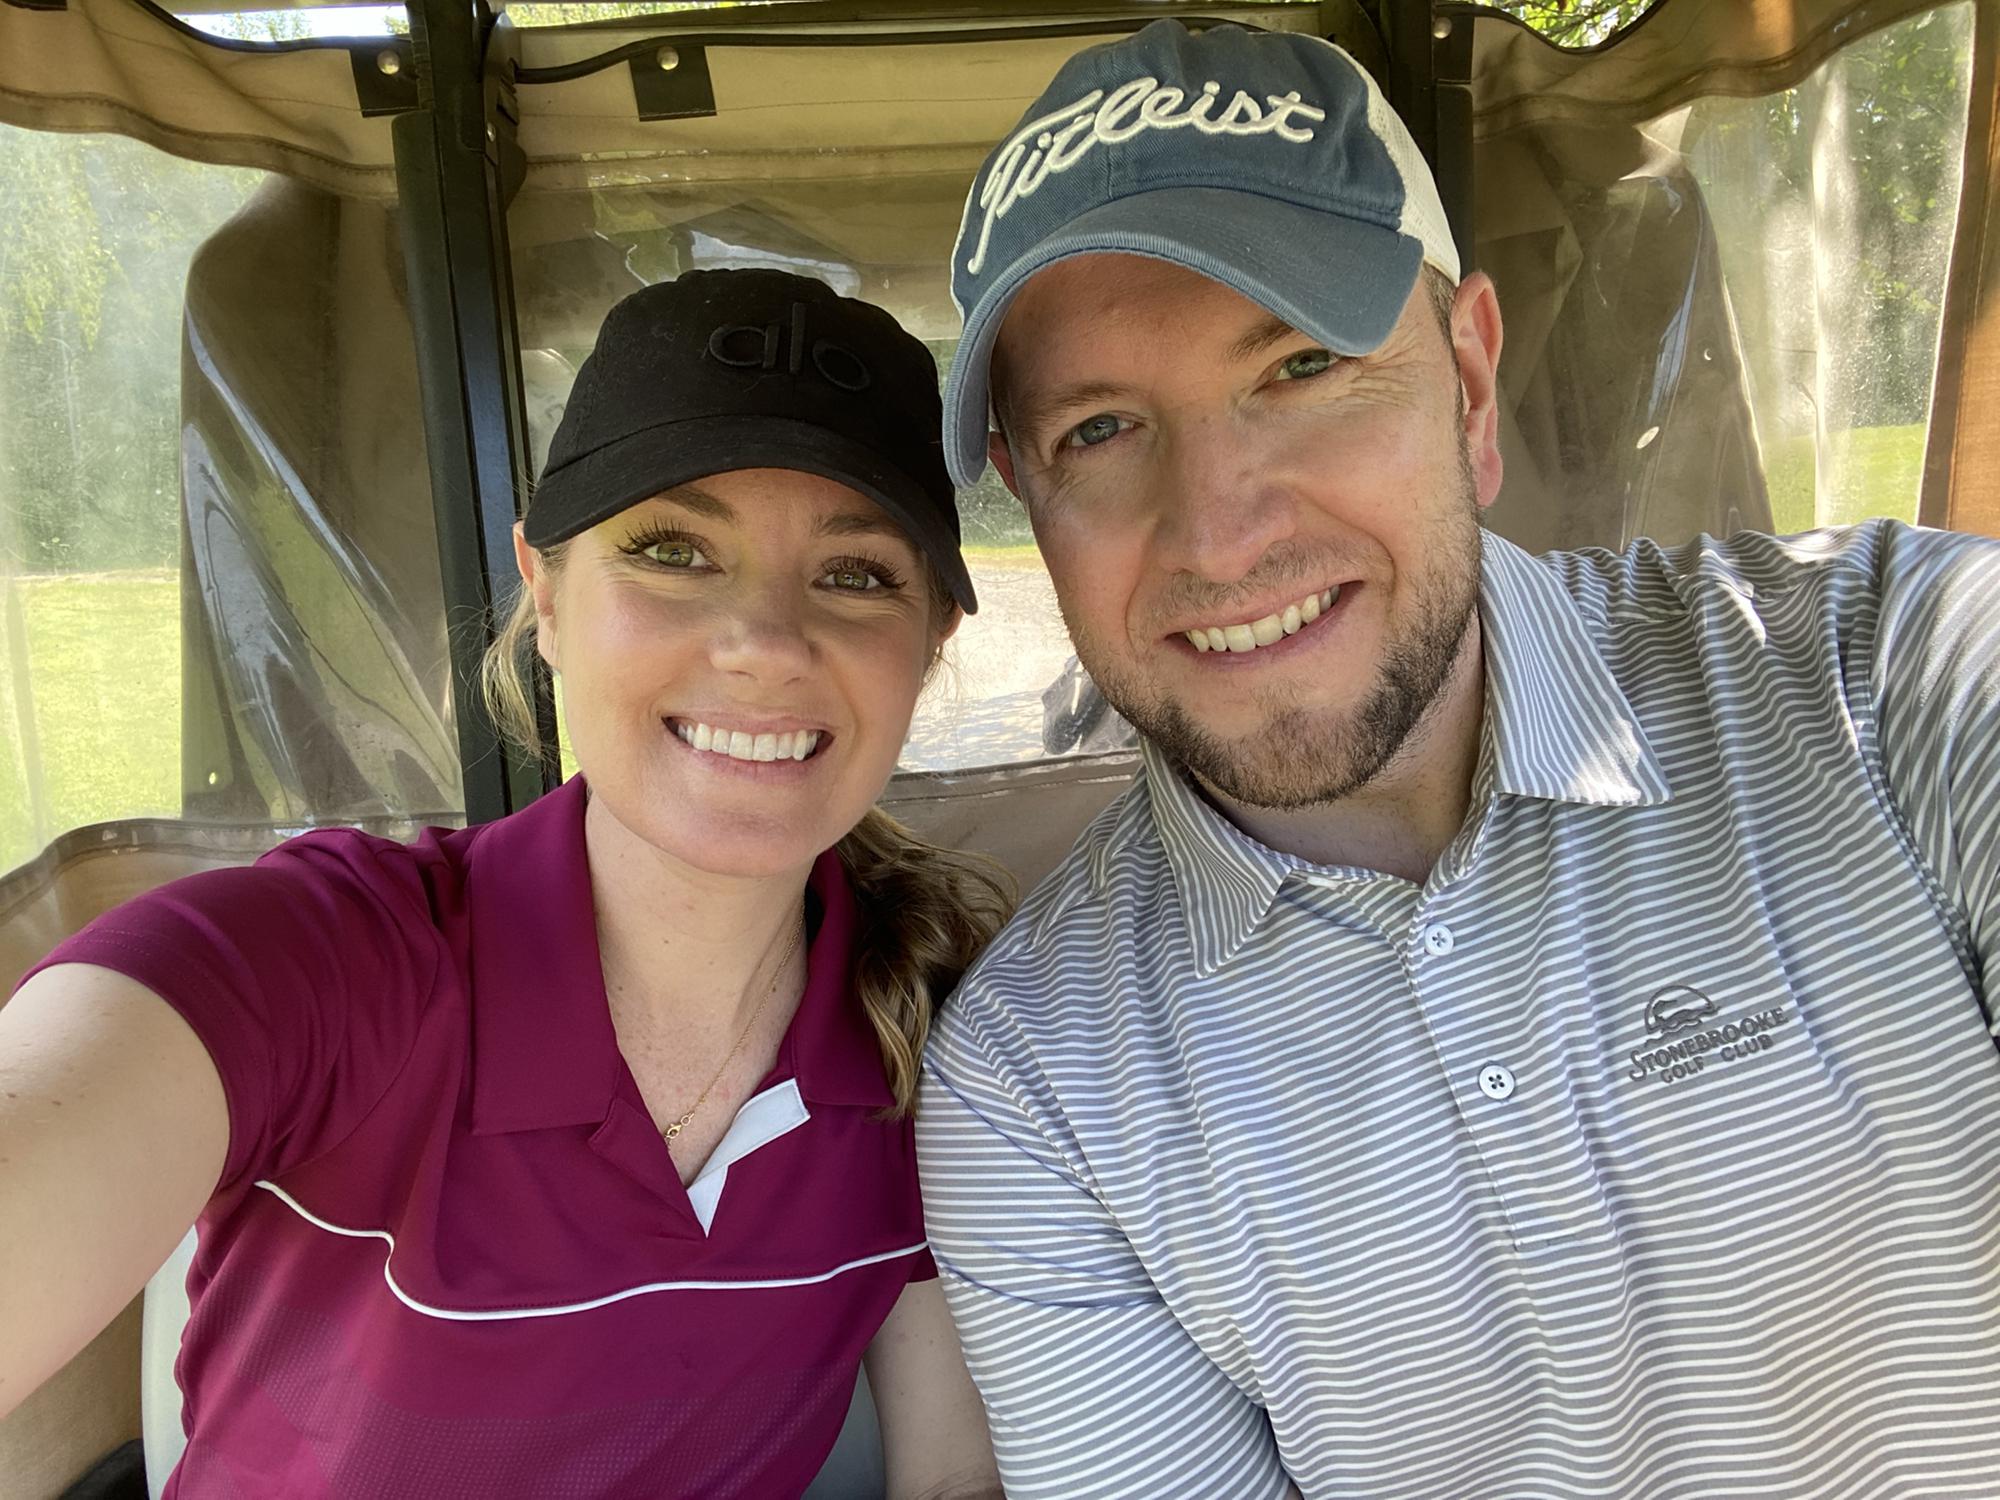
(95, 239)
(297, 24)
(1577, 23)
(1834, 206)
(218, 576)
(1727, 317)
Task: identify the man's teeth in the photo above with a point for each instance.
(737, 745)
(1248, 637)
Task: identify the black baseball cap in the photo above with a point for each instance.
(752, 369)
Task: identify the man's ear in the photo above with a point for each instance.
(1002, 459)
(1475, 341)
(541, 587)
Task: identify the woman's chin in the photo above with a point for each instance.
(722, 822)
(739, 846)
(729, 842)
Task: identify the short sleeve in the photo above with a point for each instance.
(922, 1266)
(304, 975)
(1092, 1386)
(1935, 674)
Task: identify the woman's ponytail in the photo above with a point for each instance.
(925, 913)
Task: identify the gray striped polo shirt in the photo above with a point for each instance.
(1645, 1150)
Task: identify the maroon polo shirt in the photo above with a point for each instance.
(450, 1254)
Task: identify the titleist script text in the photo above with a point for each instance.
(1060, 139)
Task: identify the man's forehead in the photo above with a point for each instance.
(1077, 309)
(1093, 302)
(1114, 285)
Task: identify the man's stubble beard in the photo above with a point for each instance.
(1303, 757)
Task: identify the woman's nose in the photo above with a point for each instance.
(761, 633)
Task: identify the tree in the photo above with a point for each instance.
(1577, 23)
(1865, 155)
(95, 236)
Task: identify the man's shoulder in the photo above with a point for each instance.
(1864, 619)
(1830, 582)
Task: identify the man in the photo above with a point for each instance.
(1523, 1033)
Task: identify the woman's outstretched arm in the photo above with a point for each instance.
(113, 1132)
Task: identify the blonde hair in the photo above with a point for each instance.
(925, 911)
(507, 669)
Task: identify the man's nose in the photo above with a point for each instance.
(761, 632)
(1223, 504)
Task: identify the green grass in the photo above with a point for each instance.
(1017, 555)
(103, 657)
(1875, 471)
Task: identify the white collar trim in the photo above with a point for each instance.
(764, 1117)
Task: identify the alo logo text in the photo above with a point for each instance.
(787, 346)
(1683, 1038)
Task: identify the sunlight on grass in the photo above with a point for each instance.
(1021, 555)
(104, 678)
(1874, 471)
(562, 736)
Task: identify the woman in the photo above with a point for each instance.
(569, 1155)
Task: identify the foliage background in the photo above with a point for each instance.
(1872, 149)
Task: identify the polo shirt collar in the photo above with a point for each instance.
(830, 1046)
(1558, 727)
(1226, 879)
(544, 1051)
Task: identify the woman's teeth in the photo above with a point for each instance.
(737, 745)
(1248, 637)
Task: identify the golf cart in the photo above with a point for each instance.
(291, 300)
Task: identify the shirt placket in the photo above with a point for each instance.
(1508, 1076)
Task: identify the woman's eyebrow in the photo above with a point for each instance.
(700, 502)
(693, 498)
(858, 523)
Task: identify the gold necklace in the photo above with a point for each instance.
(674, 1130)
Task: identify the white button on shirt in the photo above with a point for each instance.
(1438, 940)
(1496, 1082)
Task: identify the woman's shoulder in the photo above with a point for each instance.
(426, 877)
(400, 876)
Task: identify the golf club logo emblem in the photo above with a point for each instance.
(1687, 1034)
(1678, 1007)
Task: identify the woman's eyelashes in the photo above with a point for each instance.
(860, 575)
(675, 551)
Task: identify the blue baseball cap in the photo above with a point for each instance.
(1268, 161)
